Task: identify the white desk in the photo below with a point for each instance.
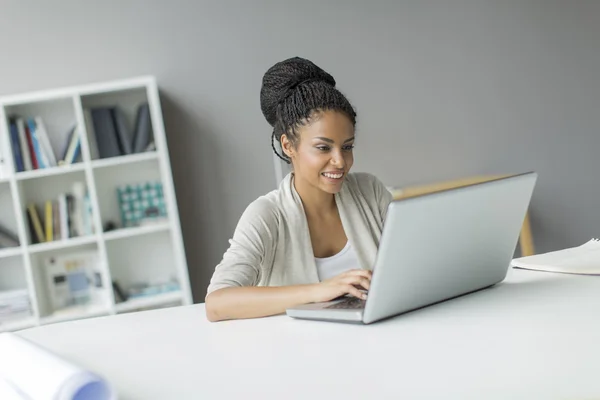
(535, 336)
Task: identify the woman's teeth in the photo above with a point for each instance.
(332, 176)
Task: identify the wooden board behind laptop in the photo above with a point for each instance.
(525, 237)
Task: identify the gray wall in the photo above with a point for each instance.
(443, 89)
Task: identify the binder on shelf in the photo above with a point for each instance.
(143, 129)
(122, 131)
(104, 130)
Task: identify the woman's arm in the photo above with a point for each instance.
(253, 302)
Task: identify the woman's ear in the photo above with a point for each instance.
(287, 146)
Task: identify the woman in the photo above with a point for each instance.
(315, 238)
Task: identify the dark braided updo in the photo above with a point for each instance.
(292, 92)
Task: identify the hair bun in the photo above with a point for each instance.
(283, 78)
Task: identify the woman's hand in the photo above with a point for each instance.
(349, 282)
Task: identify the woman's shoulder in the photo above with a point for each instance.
(264, 208)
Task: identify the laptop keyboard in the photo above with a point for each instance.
(349, 303)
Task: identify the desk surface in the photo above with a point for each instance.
(536, 335)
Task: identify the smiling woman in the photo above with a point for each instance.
(316, 236)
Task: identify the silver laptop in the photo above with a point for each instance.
(436, 247)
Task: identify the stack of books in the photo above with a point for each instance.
(114, 136)
(69, 215)
(14, 305)
(31, 145)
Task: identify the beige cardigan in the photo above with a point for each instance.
(271, 244)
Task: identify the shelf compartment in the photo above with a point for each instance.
(141, 260)
(12, 273)
(70, 282)
(110, 178)
(118, 123)
(67, 194)
(54, 122)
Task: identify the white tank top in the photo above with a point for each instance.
(338, 263)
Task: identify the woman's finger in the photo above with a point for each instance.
(356, 292)
(358, 281)
(359, 272)
(365, 283)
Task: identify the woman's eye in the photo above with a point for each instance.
(349, 147)
(323, 148)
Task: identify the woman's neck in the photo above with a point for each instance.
(316, 202)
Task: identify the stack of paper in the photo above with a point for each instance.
(584, 260)
(30, 372)
(14, 304)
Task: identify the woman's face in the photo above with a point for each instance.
(323, 154)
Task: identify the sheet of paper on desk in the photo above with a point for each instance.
(584, 260)
(29, 372)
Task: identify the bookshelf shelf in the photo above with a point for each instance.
(148, 302)
(18, 324)
(124, 160)
(11, 252)
(136, 231)
(70, 159)
(41, 173)
(62, 244)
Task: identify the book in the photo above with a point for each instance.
(16, 146)
(8, 238)
(122, 130)
(38, 152)
(583, 260)
(105, 132)
(143, 129)
(71, 149)
(35, 222)
(30, 371)
(42, 136)
(24, 146)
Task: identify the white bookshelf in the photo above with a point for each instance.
(147, 254)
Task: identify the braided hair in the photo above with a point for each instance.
(293, 91)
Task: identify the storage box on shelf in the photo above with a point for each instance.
(86, 193)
